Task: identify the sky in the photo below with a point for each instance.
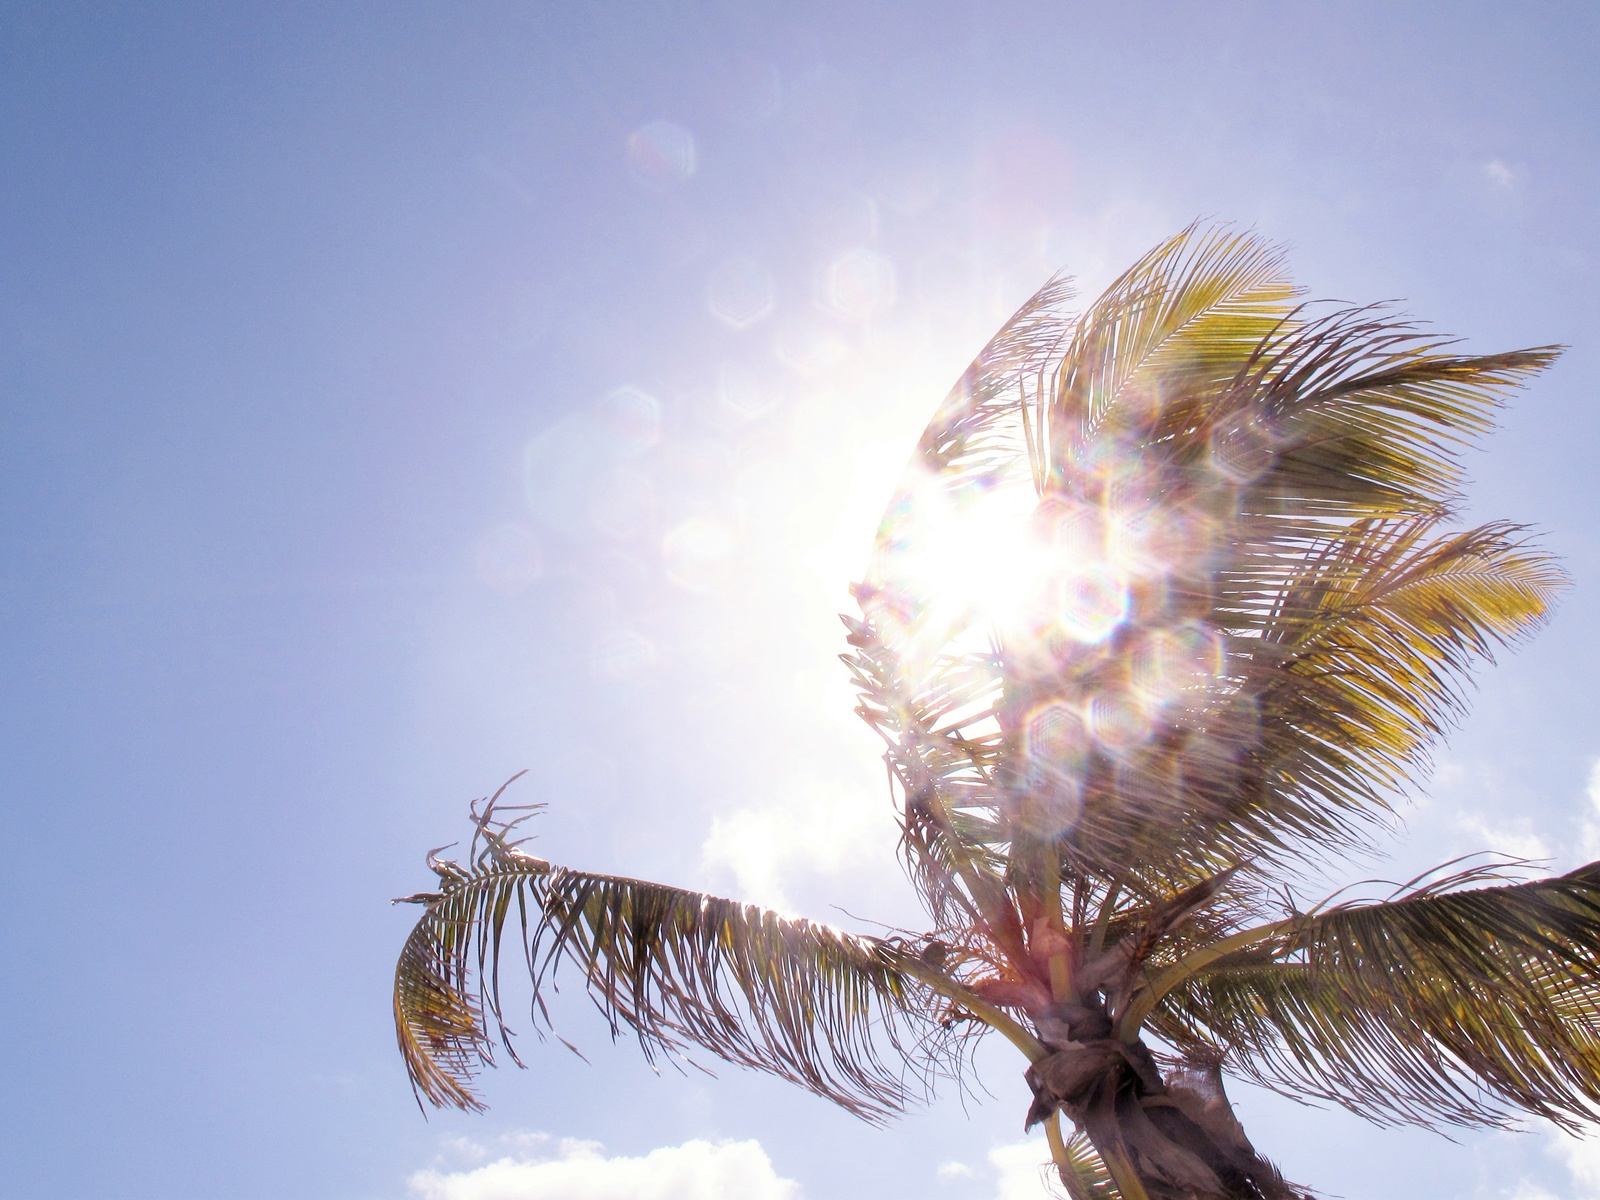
(395, 397)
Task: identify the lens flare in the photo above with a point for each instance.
(1117, 722)
(1172, 665)
(740, 293)
(1242, 450)
(859, 284)
(743, 395)
(1091, 601)
(1055, 747)
(697, 553)
(632, 417)
(807, 348)
(973, 558)
(661, 153)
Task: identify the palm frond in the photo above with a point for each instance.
(799, 1000)
(1460, 1007)
(1215, 500)
(1178, 323)
(1366, 659)
(438, 1023)
(1331, 704)
(978, 430)
(1081, 1170)
(943, 745)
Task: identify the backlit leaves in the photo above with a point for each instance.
(677, 968)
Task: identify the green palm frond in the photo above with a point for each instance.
(1459, 1007)
(783, 995)
(1333, 702)
(1187, 314)
(1260, 481)
(1367, 656)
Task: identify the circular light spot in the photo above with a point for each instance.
(632, 417)
(1055, 737)
(625, 656)
(697, 553)
(1169, 664)
(810, 349)
(1242, 449)
(1091, 602)
(859, 284)
(743, 395)
(1055, 743)
(740, 293)
(560, 467)
(1117, 722)
(661, 153)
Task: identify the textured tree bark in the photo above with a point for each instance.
(1161, 1139)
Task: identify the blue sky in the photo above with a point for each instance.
(393, 397)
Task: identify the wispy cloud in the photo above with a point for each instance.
(1581, 1158)
(1023, 1171)
(696, 1170)
(821, 831)
(1581, 1155)
(1589, 827)
(1499, 173)
(1515, 837)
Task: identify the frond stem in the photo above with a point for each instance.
(1059, 1156)
(1145, 1000)
(1097, 939)
(992, 1016)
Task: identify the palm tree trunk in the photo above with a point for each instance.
(1160, 1139)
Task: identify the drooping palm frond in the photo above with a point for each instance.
(1462, 1006)
(437, 1021)
(799, 1000)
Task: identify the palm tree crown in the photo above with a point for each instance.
(1168, 610)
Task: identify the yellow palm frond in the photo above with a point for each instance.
(1232, 481)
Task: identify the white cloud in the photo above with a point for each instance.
(1581, 1158)
(1589, 828)
(1023, 1171)
(1516, 838)
(824, 830)
(955, 1170)
(1581, 1155)
(696, 1170)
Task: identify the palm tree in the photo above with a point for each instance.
(1166, 616)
